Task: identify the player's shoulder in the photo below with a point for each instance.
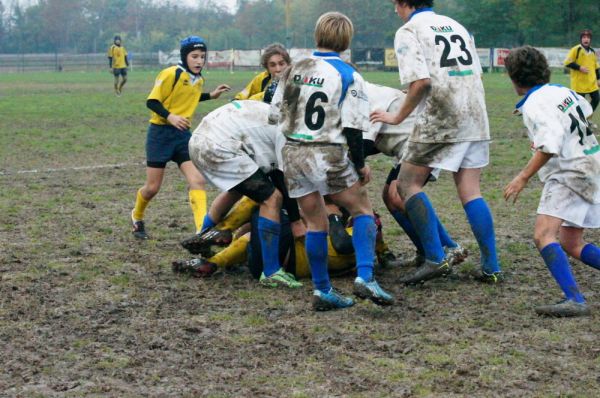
(167, 73)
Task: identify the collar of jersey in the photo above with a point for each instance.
(325, 55)
(420, 10)
(533, 90)
(193, 76)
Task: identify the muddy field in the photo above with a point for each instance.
(85, 310)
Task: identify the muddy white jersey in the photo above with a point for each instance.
(318, 97)
(389, 100)
(432, 46)
(556, 121)
(243, 125)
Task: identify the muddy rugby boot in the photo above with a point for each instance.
(372, 291)
(415, 261)
(139, 230)
(565, 308)
(456, 255)
(387, 259)
(330, 301)
(493, 279)
(201, 243)
(427, 271)
(196, 267)
(279, 278)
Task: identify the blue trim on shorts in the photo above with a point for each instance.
(164, 143)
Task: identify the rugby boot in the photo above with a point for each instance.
(415, 261)
(493, 278)
(565, 308)
(139, 230)
(456, 255)
(201, 243)
(332, 300)
(372, 291)
(279, 278)
(196, 267)
(429, 270)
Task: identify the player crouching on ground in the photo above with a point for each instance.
(173, 101)
(567, 160)
(234, 148)
(321, 105)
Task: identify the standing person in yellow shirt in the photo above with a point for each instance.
(118, 63)
(274, 59)
(173, 101)
(585, 69)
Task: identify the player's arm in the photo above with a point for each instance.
(216, 93)
(571, 63)
(416, 92)
(354, 139)
(515, 187)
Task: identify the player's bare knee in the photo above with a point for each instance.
(150, 190)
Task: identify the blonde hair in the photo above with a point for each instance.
(334, 31)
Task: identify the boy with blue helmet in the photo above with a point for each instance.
(173, 101)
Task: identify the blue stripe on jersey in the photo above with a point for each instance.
(345, 70)
(420, 10)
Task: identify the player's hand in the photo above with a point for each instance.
(365, 175)
(298, 229)
(583, 69)
(514, 188)
(216, 93)
(378, 116)
(179, 122)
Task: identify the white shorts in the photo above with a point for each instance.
(561, 202)
(224, 163)
(449, 156)
(391, 145)
(323, 168)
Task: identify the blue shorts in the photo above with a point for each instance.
(164, 144)
(120, 71)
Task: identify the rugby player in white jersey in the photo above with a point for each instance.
(234, 148)
(566, 157)
(321, 106)
(438, 62)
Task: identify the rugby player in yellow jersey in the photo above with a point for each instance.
(585, 69)
(274, 59)
(173, 100)
(118, 63)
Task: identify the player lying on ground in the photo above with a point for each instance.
(451, 130)
(321, 105)
(246, 249)
(234, 148)
(567, 159)
(173, 101)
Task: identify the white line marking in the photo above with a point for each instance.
(78, 168)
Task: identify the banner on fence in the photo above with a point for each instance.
(247, 58)
(390, 58)
(555, 56)
(484, 57)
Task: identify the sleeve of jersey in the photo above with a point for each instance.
(245, 93)
(355, 108)
(277, 102)
(476, 61)
(546, 128)
(412, 64)
(571, 56)
(163, 85)
(586, 107)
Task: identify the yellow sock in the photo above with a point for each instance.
(233, 254)
(238, 215)
(198, 204)
(381, 247)
(140, 206)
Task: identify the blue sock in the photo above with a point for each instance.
(363, 240)
(558, 264)
(268, 232)
(316, 251)
(207, 223)
(482, 225)
(423, 218)
(405, 224)
(590, 255)
(445, 239)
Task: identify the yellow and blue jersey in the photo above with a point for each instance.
(255, 90)
(179, 97)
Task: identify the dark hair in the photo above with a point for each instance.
(274, 49)
(527, 67)
(416, 3)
